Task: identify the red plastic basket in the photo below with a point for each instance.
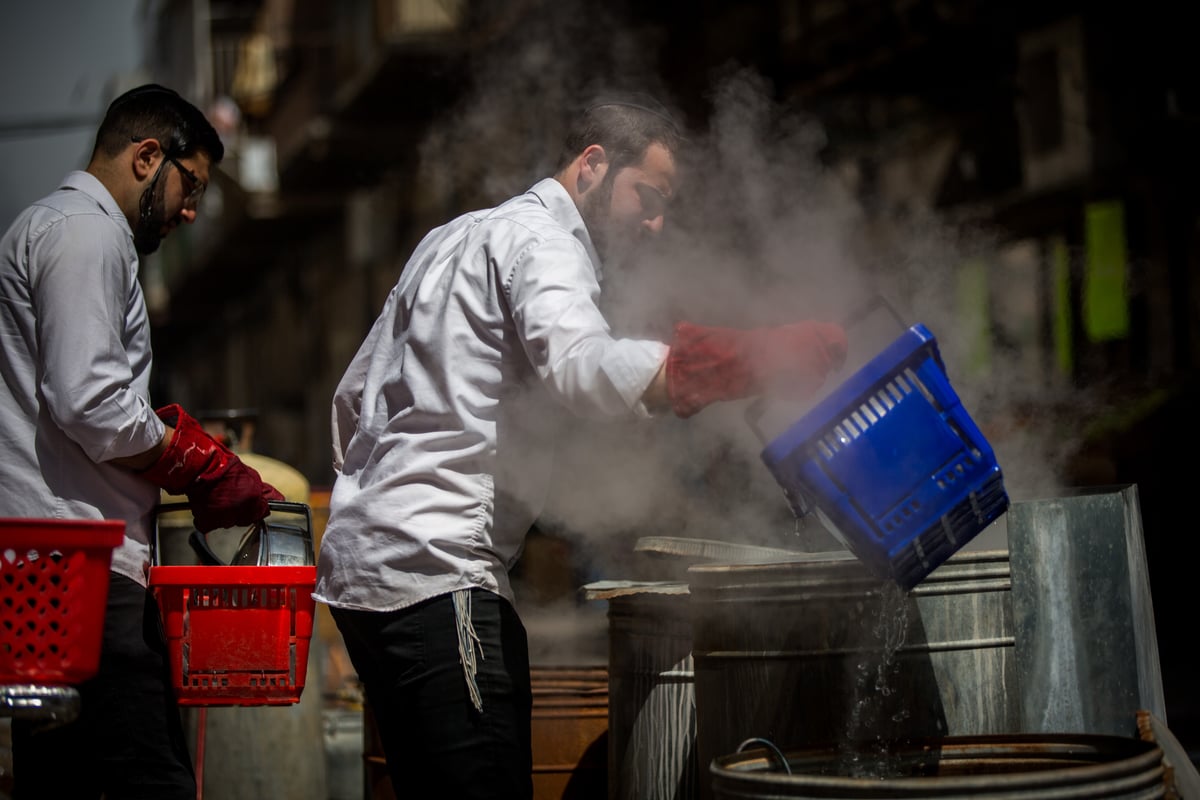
(53, 593)
(237, 636)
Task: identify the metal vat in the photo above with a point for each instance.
(652, 696)
(1014, 767)
(817, 652)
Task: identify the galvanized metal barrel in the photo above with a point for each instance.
(817, 651)
(652, 698)
(998, 767)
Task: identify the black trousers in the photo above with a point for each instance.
(436, 743)
(127, 742)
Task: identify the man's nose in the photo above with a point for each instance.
(188, 215)
(654, 224)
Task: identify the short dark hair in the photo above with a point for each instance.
(624, 124)
(151, 111)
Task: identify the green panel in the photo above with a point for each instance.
(974, 319)
(1105, 304)
(1060, 277)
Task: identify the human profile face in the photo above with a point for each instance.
(170, 199)
(629, 204)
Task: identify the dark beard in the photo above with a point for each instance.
(595, 210)
(152, 209)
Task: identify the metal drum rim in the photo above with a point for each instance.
(1147, 763)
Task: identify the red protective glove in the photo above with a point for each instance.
(222, 490)
(706, 365)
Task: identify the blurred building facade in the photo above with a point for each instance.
(1064, 129)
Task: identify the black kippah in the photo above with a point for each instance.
(145, 90)
(638, 100)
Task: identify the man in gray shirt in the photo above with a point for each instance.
(81, 440)
(442, 438)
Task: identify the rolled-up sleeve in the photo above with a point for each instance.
(554, 296)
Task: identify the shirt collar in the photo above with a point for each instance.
(554, 197)
(90, 185)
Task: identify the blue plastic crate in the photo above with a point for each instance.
(893, 464)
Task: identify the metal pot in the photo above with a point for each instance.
(283, 538)
(275, 544)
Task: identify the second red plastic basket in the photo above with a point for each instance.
(236, 636)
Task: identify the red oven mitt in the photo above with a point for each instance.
(222, 490)
(706, 365)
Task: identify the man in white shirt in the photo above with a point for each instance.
(81, 440)
(443, 431)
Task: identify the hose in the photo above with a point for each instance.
(770, 746)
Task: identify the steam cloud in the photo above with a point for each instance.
(765, 231)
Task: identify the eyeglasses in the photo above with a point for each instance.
(192, 198)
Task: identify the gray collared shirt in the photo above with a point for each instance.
(75, 367)
(444, 422)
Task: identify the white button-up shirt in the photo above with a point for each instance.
(75, 367)
(443, 424)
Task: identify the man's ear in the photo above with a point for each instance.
(146, 156)
(593, 164)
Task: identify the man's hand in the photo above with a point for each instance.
(222, 490)
(706, 365)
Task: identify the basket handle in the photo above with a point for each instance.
(872, 303)
(758, 406)
(201, 547)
